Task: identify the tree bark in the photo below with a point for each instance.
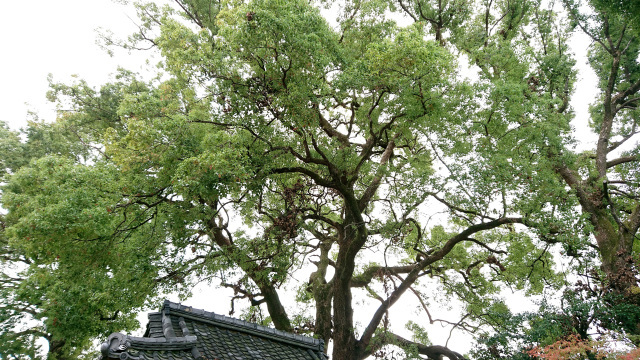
(344, 340)
(614, 237)
(322, 294)
(56, 351)
(277, 312)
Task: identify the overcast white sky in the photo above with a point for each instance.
(58, 37)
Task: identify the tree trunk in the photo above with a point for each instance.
(613, 237)
(615, 244)
(345, 344)
(344, 340)
(276, 310)
(322, 295)
(56, 351)
(274, 305)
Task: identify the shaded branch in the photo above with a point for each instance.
(415, 273)
(486, 246)
(621, 160)
(434, 352)
(459, 209)
(300, 170)
(365, 278)
(329, 130)
(375, 184)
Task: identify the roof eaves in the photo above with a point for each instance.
(118, 345)
(242, 326)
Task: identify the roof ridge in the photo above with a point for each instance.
(242, 325)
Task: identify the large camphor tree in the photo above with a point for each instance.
(431, 158)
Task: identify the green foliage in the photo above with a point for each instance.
(554, 331)
(420, 335)
(58, 219)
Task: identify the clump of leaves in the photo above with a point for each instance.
(575, 347)
(571, 347)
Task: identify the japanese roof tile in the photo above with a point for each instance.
(180, 332)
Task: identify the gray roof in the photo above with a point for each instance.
(180, 332)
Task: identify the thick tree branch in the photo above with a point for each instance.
(433, 352)
(634, 221)
(459, 209)
(406, 10)
(274, 305)
(311, 174)
(411, 278)
(622, 160)
(486, 246)
(375, 184)
(609, 104)
(191, 15)
(572, 178)
(329, 130)
(621, 98)
(365, 278)
(616, 144)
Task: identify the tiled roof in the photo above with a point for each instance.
(180, 332)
